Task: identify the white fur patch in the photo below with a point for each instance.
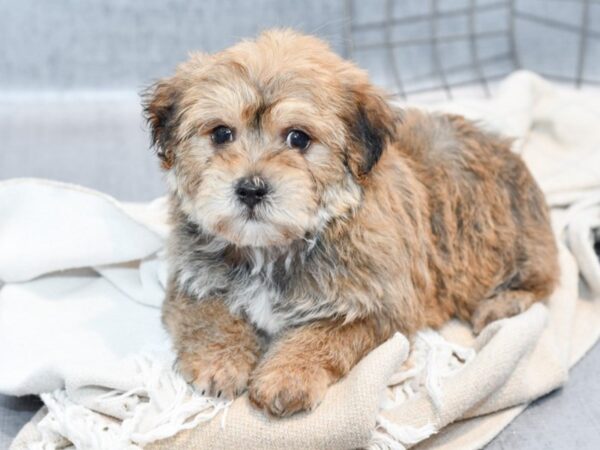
(257, 300)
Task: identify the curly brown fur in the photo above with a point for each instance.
(388, 221)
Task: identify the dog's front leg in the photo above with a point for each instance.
(296, 371)
(216, 351)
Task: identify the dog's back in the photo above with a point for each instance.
(488, 218)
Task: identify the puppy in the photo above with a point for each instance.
(312, 220)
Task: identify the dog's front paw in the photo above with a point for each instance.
(217, 374)
(282, 390)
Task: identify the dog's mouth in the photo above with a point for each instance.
(263, 225)
(254, 229)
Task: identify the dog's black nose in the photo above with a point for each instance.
(251, 190)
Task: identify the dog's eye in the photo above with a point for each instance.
(222, 135)
(297, 139)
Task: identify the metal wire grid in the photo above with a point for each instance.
(468, 34)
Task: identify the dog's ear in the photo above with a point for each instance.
(371, 124)
(160, 102)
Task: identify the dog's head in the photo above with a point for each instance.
(268, 141)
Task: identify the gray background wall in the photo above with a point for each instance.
(123, 44)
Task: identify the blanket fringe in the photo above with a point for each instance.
(164, 404)
(432, 359)
(159, 408)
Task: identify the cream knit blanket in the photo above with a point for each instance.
(80, 318)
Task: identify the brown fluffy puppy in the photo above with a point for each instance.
(312, 220)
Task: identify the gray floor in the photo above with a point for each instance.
(568, 418)
(100, 142)
(14, 413)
